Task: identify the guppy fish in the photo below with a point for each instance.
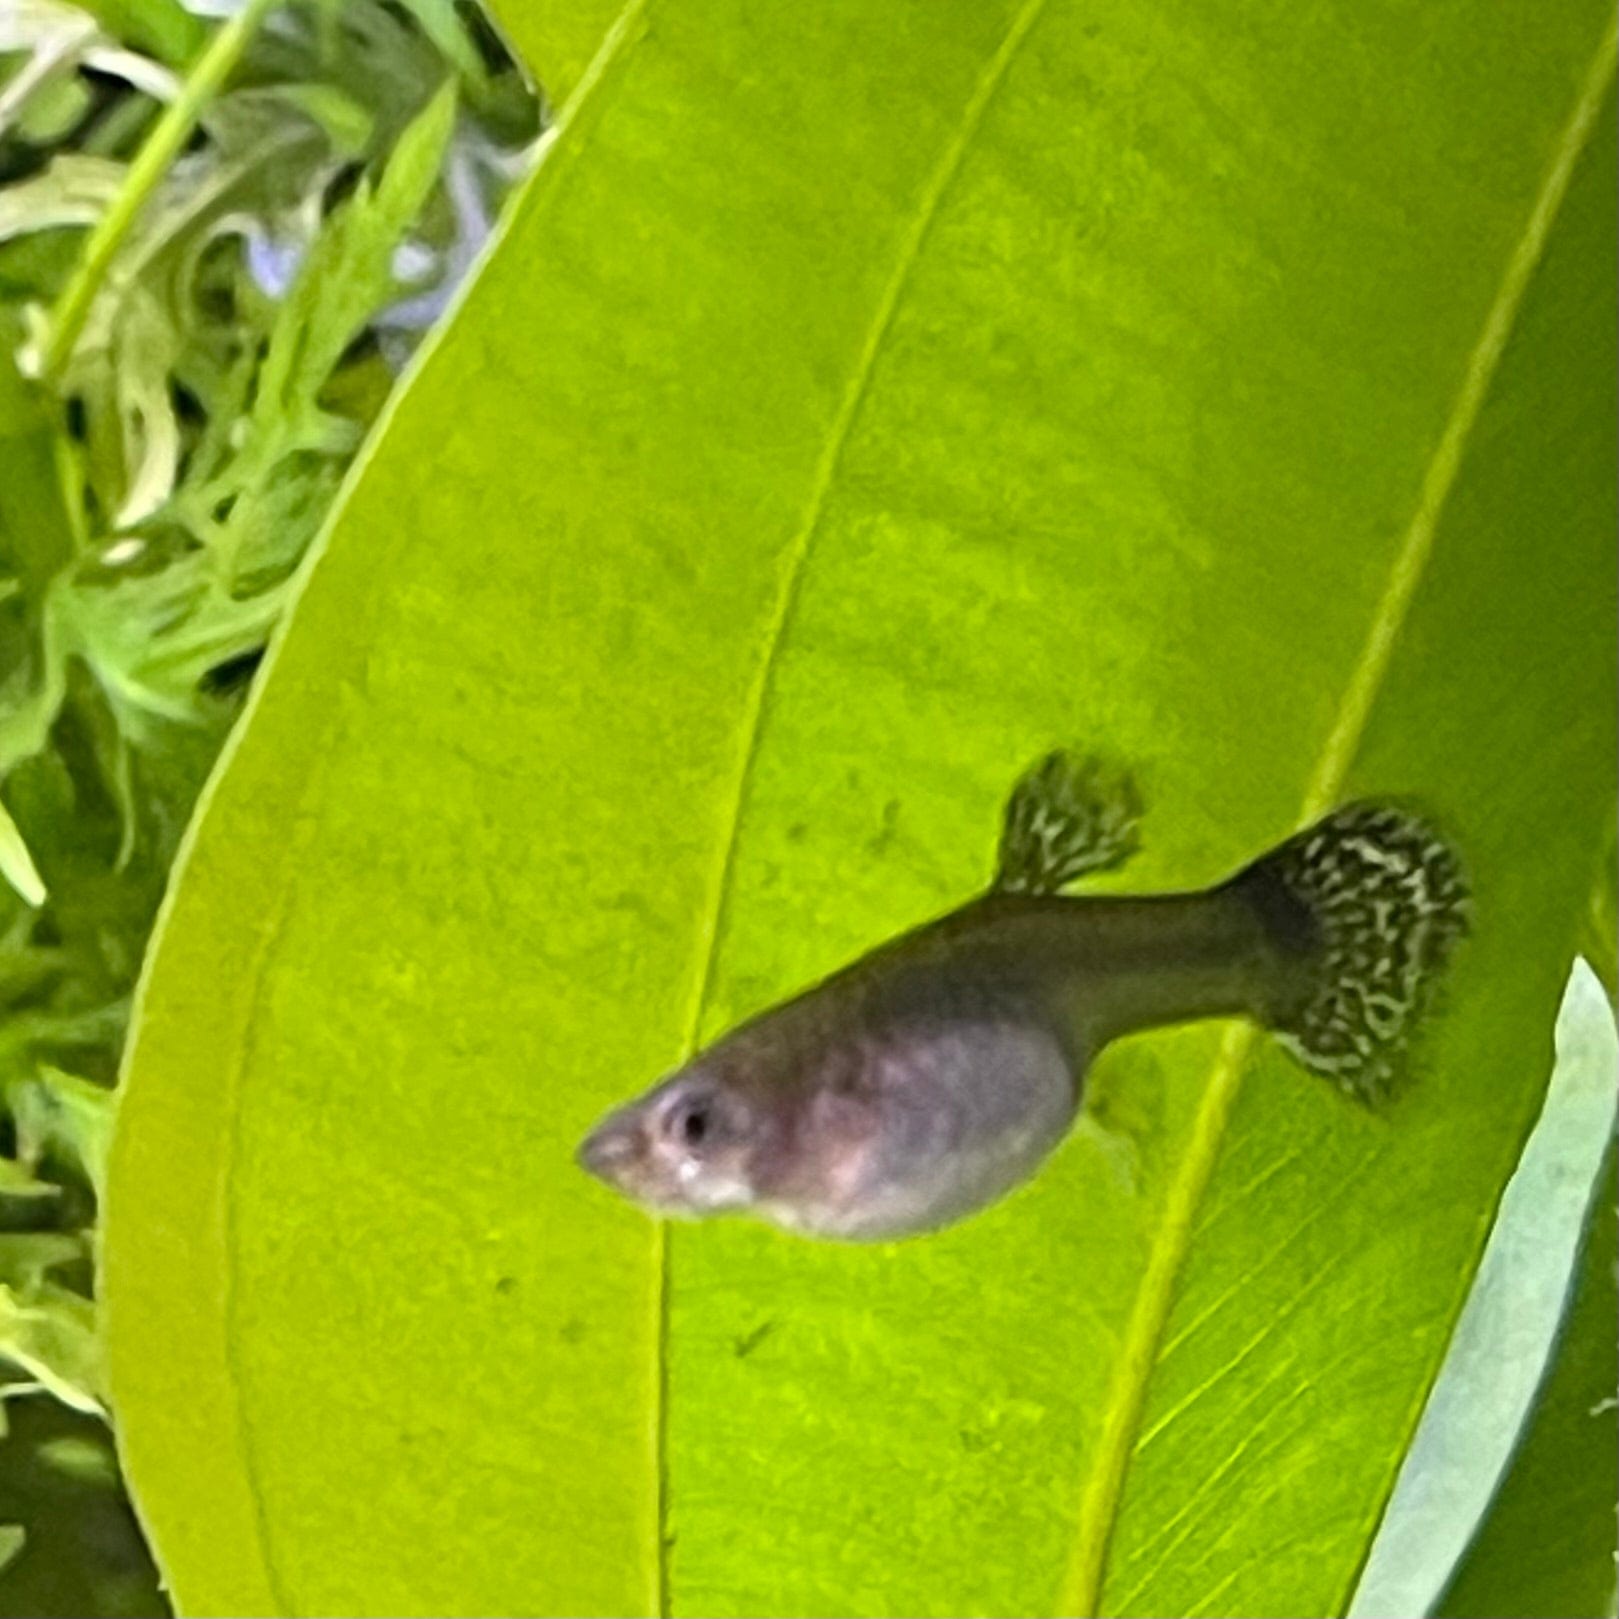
(935, 1074)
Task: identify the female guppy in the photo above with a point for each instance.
(937, 1072)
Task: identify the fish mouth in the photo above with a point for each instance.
(608, 1153)
(616, 1155)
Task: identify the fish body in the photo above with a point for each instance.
(937, 1073)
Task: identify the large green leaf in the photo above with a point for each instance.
(1600, 939)
(559, 38)
(862, 399)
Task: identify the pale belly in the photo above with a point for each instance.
(967, 1112)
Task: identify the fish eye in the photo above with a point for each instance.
(692, 1122)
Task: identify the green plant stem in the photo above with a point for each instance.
(151, 163)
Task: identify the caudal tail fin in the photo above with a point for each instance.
(1374, 900)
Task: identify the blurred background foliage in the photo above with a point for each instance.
(224, 229)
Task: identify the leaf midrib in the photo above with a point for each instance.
(757, 707)
(1082, 1588)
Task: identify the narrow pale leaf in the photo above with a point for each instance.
(1547, 1549)
(347, 275)
(58, 1111)
(16, 863)
(1504, 1338)
(72, 189)
(48, 1331)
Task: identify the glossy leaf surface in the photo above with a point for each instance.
(862, 400)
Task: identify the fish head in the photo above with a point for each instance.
(687, 1147)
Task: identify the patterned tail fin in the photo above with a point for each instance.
(1378, 901)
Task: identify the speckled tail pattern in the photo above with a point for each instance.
(1388, 900)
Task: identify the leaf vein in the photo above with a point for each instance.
(1103, 1490)
(757, 707)
(1320, 1212)
(1207, 1486)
